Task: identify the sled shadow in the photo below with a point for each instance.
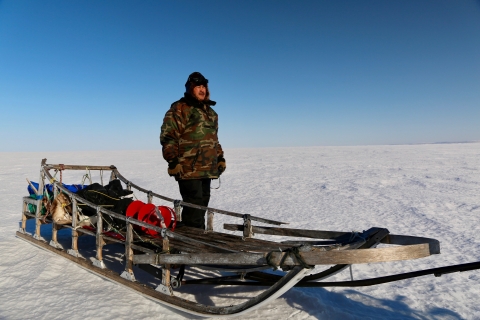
(322, 303)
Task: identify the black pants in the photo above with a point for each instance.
(196, 191)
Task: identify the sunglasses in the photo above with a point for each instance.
(198, 81)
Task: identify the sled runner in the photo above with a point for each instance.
(153, 240)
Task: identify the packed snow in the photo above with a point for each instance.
(421, 190)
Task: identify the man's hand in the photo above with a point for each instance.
(174, 168)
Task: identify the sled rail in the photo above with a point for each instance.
(225, 212)
(130, 184)
(75, 167)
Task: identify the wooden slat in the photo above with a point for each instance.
(316, 234)
(75, 167)
(406, 240)
(310, 258)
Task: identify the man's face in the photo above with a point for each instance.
(199, 92)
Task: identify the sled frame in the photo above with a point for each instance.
(215, 249)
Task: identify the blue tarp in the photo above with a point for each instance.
(71, 187)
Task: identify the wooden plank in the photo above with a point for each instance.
(406, 240)
(24, 215)
(210, 215)
(75, 167)
(38, 222)
(98, 237)
(128, 249)
(311, 258)
(74, 225)
(229, 241)
(316, 234)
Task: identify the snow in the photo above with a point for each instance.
(420, 190)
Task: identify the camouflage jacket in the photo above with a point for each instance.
(189, 135)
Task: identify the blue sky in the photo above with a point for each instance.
(100, 75)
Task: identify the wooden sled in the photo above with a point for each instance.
(245, 258)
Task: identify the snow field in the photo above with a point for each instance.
(420, 190)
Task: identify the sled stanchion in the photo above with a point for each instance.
(210, 220)
(112, 176)
(23, 223)
(74, 250)
(128, 272)
(55, 227)
(247, 226)
(98, 262)
(55, 191)
(54, 242)
(38, 212)
(149, 197)
(165, 287)
(178, 209)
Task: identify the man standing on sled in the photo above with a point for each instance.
(190, 146)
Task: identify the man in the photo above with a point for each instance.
(190, 146)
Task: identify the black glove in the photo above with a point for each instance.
(174, 167)
(221, 164)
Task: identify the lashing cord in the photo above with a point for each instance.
(294, 253)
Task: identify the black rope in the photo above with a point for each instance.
(181, 272)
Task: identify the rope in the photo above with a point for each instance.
(87, 175)
(290, 252)
(356, 234)
(53, 178)
(181, 273)
(111, 225)
(148, 241)
(219, 184)
(103, 194)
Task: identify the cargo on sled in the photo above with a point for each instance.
(152, 242)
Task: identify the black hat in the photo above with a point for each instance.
(196, 79)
